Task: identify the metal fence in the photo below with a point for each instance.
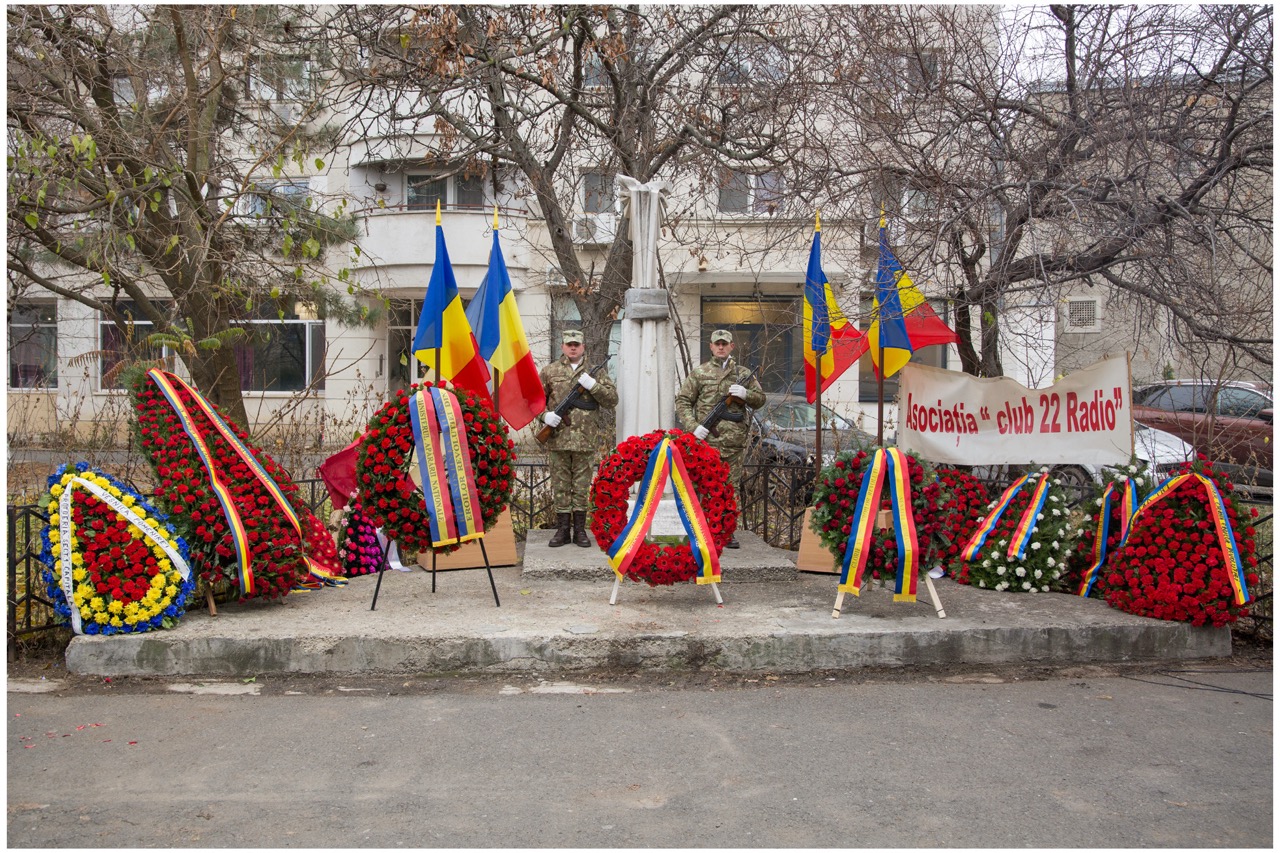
(774, 500)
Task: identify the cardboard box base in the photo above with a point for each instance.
(813, 557)
(499, 544)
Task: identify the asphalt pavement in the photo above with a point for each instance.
(1174, 755)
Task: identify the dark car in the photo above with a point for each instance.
(784, 430)
(1227, 422)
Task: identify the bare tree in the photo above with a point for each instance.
(553, 91)
(1031, 149)
(145, 147)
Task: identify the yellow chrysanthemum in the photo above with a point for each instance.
(115, 607)
(165, 565)
(77, 559)
(96, 603)
(128, 500)
(131, 609)
(56, 490)
(101, 618)
(54, 518)
(157, 580)
(153, 522)
(131, 620)
(115, 622)
(114, 491)
(170, 590)
(78, 574)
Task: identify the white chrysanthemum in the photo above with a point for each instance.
(1057, 512)
(1133, 469)
(1035, 546)
(1020, 572)
(1138, 481)
(999, 570)
(1002, 543)
(1002, 586)
(1057, 482)
(1097, 502)
(982, 584)
(1045, 587)
(1026, 584)
(1044, 469)
(1037, 574)
(1054, 544)
(1052, 562)
(986, 563)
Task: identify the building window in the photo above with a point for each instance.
(1084, 314)
(33, 345)
(597, 192)
(282, 354)
(278, 197)
(766, 338)
(402, 321)
(752, 62)
(116, 347)
(456, 191)
(282, 78)
(741, 193)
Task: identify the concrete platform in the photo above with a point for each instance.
(755, 562)
(566, 626)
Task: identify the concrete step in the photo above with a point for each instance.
(754, 562)
(567, 626)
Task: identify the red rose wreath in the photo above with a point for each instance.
(1171, 567)
(662, 565)
(389, 497)
(962, 501)
(184, 487)
(835, 499)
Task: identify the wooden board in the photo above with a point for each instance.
(813, 557)
(499, 543)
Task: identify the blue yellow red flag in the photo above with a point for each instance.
(902, 320)
(830, 340)
(443, 328)
(500, 336)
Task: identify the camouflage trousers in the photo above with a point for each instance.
(571, 472)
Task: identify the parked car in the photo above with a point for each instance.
(1228, 422)
(1162, 451)
(784, 430)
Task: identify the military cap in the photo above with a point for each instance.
(721, 335)
(573, 336)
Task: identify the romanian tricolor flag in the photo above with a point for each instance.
(502, 342)
(443, 326)
(902, 320)
(828, 335)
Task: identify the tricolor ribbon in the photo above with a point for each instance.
(1026, 524)
(891, 464)
(444, 461)
(1221, 524)
(169, 385)
(666, 461)
(65, 534)
(1128, 495)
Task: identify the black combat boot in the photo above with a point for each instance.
(732, 543)
(561, 536)
(580, 529)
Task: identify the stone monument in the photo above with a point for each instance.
(647, 359)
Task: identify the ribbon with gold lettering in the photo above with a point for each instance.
(890, 464)
(444, 462)
(168, 385)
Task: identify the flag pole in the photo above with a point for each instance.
(436, 366)
(817, 404)
(496, 373)
(879, 365)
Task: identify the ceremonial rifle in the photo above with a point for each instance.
(572, 400)
(722, 412)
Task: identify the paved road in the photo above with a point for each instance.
(1180, 758)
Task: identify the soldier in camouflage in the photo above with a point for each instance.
(708, 384)
(576, 439)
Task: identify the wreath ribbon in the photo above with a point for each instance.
(444, 461)
(665, 461)
(1128, 497)
(1026, 524)
(1221, 524)
(65, 547)
(168, 384)
(890, 464)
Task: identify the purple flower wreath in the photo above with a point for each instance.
(358, 548)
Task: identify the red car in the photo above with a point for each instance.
(1228, 422)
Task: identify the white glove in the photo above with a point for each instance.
(739, 391)
(586, 382)
(700, 432)
(551, 419)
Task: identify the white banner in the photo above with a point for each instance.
(952, 417)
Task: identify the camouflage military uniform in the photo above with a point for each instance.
(706, 386)
(573, 445)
